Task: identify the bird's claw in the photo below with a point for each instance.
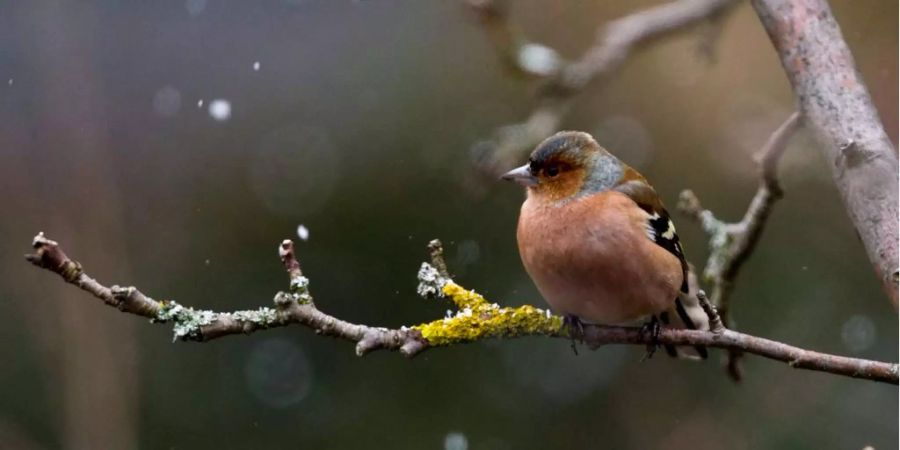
(651, 327)
(575, 327)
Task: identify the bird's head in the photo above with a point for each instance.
(567, 164)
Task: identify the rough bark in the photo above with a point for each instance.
(837, 107)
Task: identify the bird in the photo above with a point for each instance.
(599, 245)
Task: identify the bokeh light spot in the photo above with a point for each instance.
(302, 232)
(539, 59)
(858, 333)
(220, 109)
(456, 441)
(278, 373)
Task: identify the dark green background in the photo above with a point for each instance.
(359, 125)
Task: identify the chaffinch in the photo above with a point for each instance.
(598, 243)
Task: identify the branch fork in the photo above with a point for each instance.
(731, 244)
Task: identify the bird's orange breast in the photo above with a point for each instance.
(592, 257)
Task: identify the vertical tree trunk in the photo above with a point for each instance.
(837, 107)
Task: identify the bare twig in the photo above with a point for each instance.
(715, 321)
(476, 319)
(436, 251)
(293, 307)
(519, 55)
(732, 243)
(621, 36)
(838, 109)
(563, 80)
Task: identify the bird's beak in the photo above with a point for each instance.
(521, 175)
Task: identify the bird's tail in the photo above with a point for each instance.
(687, 313)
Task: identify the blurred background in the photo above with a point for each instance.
(172, 145)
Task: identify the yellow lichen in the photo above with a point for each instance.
(462, 297)
(478, 319)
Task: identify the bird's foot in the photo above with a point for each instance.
(575, 327)
(651, 327)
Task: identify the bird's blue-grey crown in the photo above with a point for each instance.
(579, 149)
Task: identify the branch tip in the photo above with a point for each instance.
(413, 347)
(715, 322)
(689, 204)
(41, 240)
(289, 260)
(286, 248)
(366, 345)
(770, 154)
(436, 253)
(49, 255)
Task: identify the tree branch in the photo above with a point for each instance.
(836, 105)
(563, 80)
(730, 244)
(476, 319)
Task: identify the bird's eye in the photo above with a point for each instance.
(552, 170)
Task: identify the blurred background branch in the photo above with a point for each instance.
(476, 319)
(561, 80)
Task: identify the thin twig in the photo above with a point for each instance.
(296, 307)
(436, 251)
(621, 36)
(732, 243)
(715, 321)
(563, 80)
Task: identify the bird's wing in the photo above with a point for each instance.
(662, 231)
(659, 225)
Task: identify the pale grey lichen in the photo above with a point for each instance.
(187, 322)
(283, 299)
(710, 223)
(300, 287)
(299, 283)
(430, 281)
(263, 316)
(720, 239)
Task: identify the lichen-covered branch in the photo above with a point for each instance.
(563, 80)
(730, 244)
(475, 319)
(837, 107)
